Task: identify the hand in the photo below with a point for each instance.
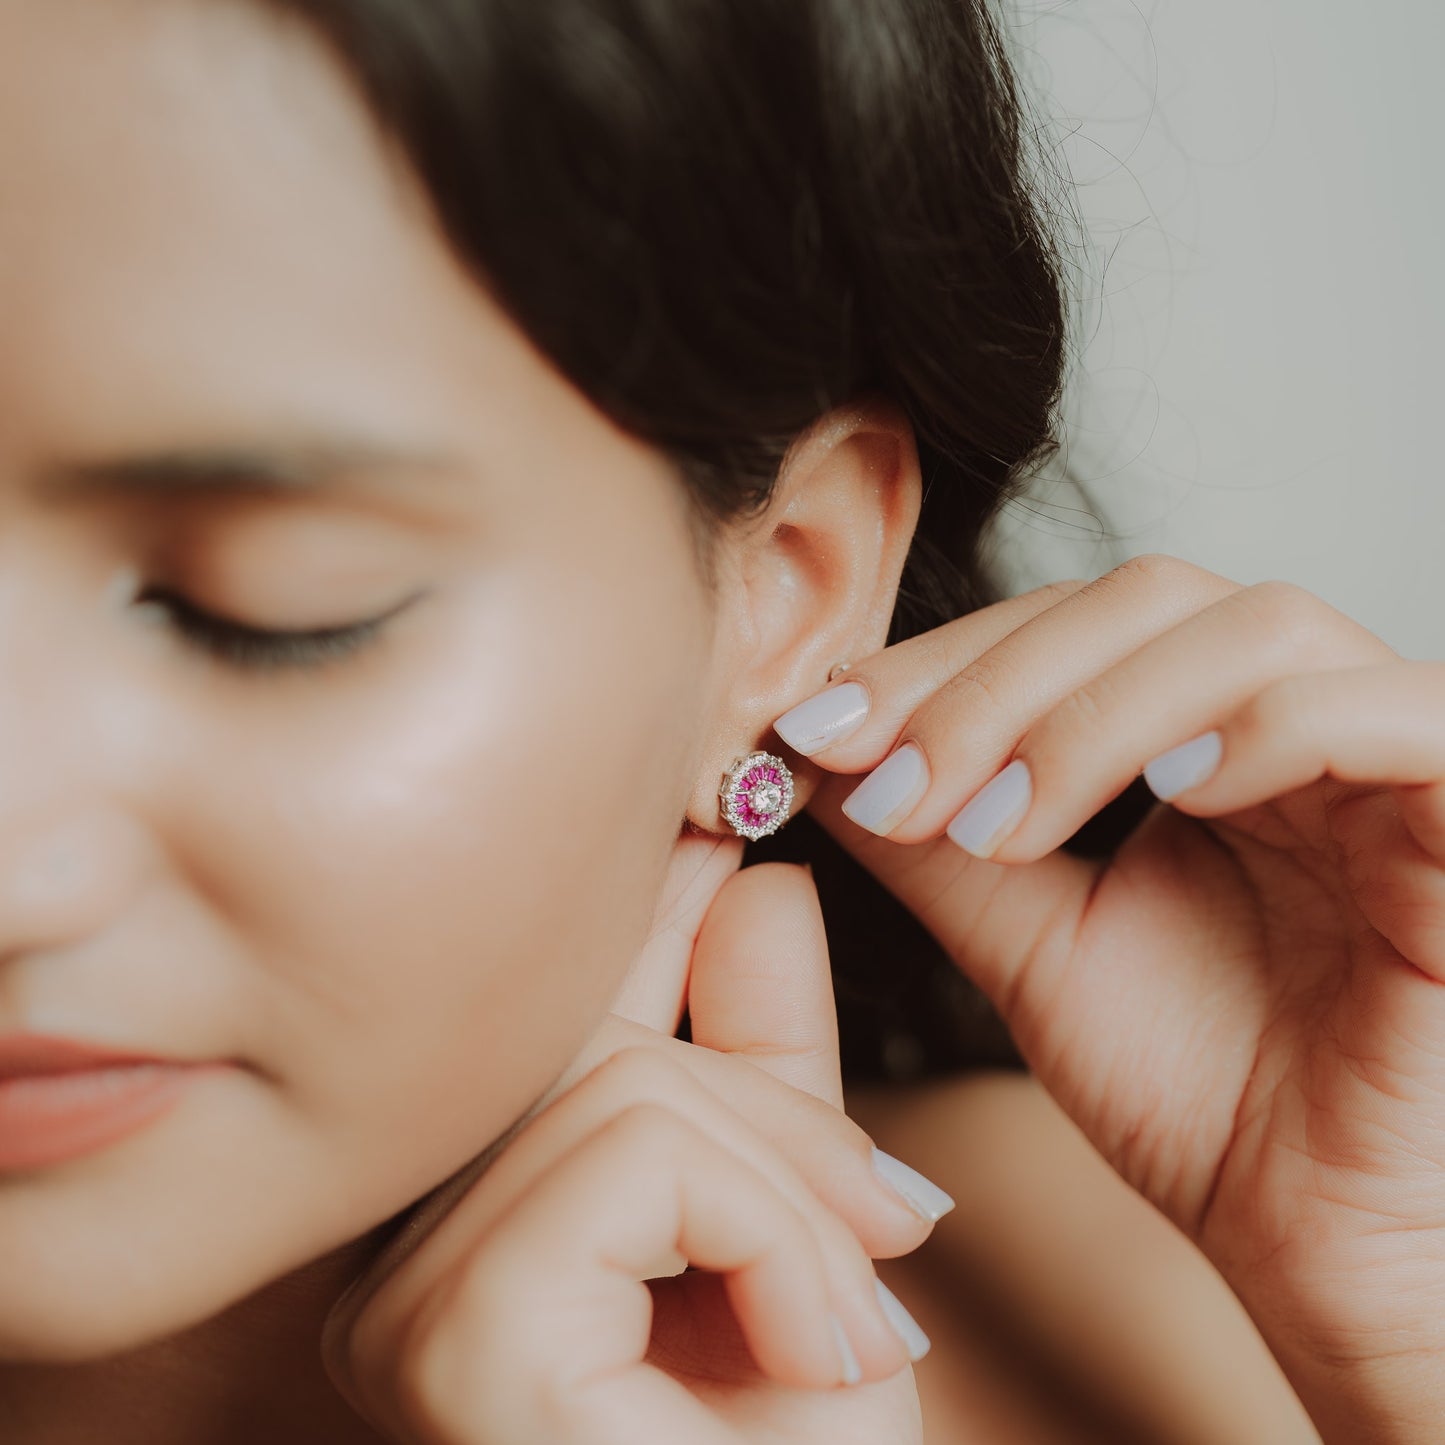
(518, 1314)
(1242, 1008)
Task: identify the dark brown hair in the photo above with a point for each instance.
(720, 218)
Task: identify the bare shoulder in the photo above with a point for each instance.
(1064, 1309)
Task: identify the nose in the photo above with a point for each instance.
(73, 849)
(66, 873)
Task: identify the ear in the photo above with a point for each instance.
(807, 584)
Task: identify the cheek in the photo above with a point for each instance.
(442, 881)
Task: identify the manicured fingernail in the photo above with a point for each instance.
(907, 1327)
(887, 795)
(994, 812)
(852, 1370)
(823, 718)
(922, 1195)
(1186, 766)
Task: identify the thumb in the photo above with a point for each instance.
(761, 985)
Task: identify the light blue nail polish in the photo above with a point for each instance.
(994, 812)
(907, 1328)
(1186, 766)
(888, 794)
(823, 718)
(921, 1194)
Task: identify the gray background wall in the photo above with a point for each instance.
(1261, 182)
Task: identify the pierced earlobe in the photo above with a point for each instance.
(757, 795)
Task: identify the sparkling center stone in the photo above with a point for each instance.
(766, 798)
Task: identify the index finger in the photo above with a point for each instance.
(853, 723)
(761, 983)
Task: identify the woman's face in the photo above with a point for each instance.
(393, 892)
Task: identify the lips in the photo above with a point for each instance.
(24, 1054)
(60, 1099)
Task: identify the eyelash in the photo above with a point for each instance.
(259, 650)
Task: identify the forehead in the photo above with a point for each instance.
(194, 204)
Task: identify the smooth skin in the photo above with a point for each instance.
(396, 893)
(1242, 1009)
(520, 1315)
(345, 882)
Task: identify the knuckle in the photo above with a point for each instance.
(958, 648)
(1091, 709)
(957, 645)
(1279, 710)
(638, 1072)
(980, 688)
(1049, 593)
(647, 1125)
(432, 1395)
(1057, 591)
(478, 1359)
(1187, 586)
(1287, 613)
(1158, 571)
(458, 1358)
(424, 1392)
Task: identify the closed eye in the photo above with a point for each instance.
(245, 648)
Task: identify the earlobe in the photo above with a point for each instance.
(814, 581)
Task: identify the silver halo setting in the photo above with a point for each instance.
(757, 795)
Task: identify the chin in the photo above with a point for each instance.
(72, 1295)
(40, 1324)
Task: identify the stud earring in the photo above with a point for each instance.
(756, 794)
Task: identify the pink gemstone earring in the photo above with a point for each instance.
(756, 793)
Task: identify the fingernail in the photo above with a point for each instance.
(823, 718)
(1184, 767)
(852, 1370)
(887, 795)
(995, 812)
(907, 1327)
(922, 1195)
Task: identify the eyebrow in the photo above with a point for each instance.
(305, 468)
